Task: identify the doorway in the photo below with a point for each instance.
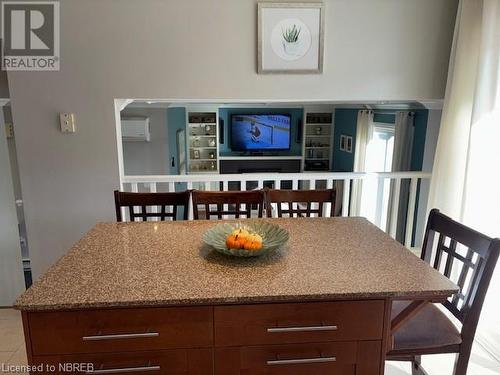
(12, 248)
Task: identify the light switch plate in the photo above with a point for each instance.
(9, 130)
(67, 121)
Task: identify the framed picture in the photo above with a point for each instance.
(345, 143)
(348, 147)
(290, 37)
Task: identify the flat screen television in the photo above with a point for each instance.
(260, 132)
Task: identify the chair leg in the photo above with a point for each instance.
(461, 363)
(416, 366)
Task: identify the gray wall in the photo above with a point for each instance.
(11, 269)
(146, 158)
(16, 182)
(4, 84)
(203, 49)
(431, 138)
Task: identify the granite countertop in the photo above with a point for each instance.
(166, 263)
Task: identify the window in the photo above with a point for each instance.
(378, 159)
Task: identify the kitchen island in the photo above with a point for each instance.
(151, 298)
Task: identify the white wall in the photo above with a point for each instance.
(148, 158)
(203, 49)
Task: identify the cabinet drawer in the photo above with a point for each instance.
(167, 362)
(296, 359)
(298, 322)
(99, 331)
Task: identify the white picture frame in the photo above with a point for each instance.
(345, 143)
(290, 37)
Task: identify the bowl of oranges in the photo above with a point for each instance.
(246, 239)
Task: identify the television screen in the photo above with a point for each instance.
(260, 132)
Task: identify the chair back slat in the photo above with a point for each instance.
(234, 200)
(451, 254)
(299, 203)
(143, 201)
(469, 258)
(439, 252)
(462, 234)
(471, 293)
(463, 276)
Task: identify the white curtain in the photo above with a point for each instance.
(466, 174)
(404, 130)
(364, 133)
(403, 141)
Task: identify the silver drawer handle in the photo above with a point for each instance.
(125, 369)
(301, 360)
(302, 329)
(121, 336)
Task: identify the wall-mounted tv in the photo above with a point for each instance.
(260, 132)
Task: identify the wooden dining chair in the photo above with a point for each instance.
(167, 205)
(236, 204)
(468, 258)
(299, 203)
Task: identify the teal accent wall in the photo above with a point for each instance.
(345, 123)
(176, 120)
(386, 118)
(417, 158)
(296, 115)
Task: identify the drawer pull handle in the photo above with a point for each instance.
(124, 370)
(120, 336)
(302, 329)
(300, 361)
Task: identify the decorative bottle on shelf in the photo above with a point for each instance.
(208, 129)
(211, 142)
(196, 142)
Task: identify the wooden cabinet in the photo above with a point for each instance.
(298, 322)
(297, 359)
(338, 337)
(167, 362)
(329, 358)
(120, 330)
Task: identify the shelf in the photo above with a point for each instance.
(202, 143)
(318, 146)
(260, 157)
(197, 124)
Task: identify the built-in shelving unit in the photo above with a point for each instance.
(318, 140)
(202, 139)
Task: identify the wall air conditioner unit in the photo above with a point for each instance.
(136, 129)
